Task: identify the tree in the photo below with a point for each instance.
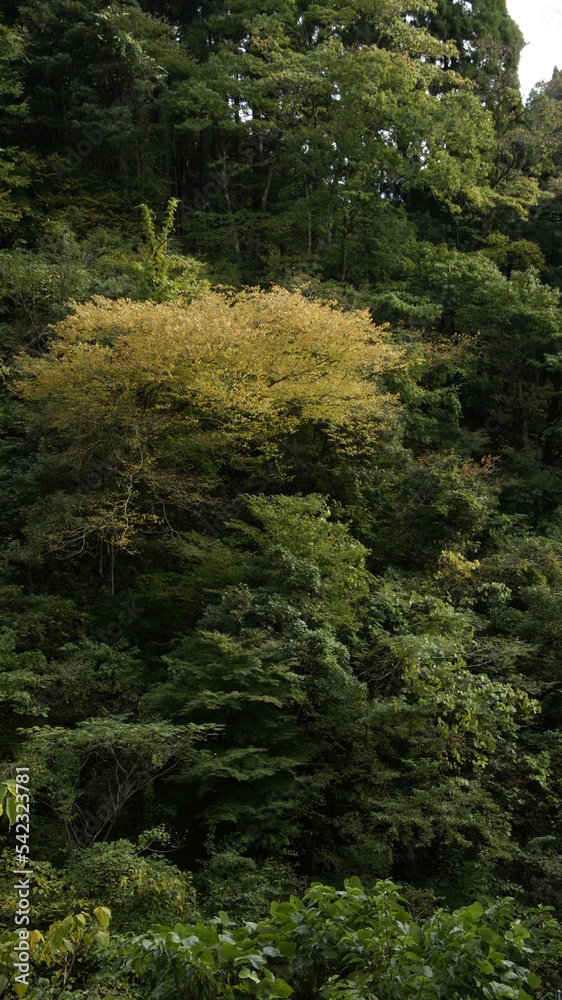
(267, 664)
(39, 284)
(87, 775)
(13, 163)
(487, 39)
(94, 91)
(513, 322)
(166, 276)
(181, 394)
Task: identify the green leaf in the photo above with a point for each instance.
(230, 952)
(103, 915)
(280, 988)
(487, 934)
(476, 910)
(287, 948)
(415, 932)
(11, 809)
(249, 974)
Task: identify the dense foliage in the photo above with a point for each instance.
(281, 441)
(331, 944)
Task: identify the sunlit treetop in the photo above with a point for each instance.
(251, 368)
(165, 398)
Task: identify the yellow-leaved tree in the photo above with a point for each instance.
(144, 404)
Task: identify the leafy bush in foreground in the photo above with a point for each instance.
(331, 944)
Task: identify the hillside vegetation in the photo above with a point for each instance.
(281, 501)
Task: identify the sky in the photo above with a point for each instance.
(541, 24)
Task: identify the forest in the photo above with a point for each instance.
(281, 502)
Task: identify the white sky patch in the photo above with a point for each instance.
(541, 24)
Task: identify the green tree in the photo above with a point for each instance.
(221, 383)
(487, 39)
(87, 775)
(95, 89)
(272, 671)
(14, 165)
